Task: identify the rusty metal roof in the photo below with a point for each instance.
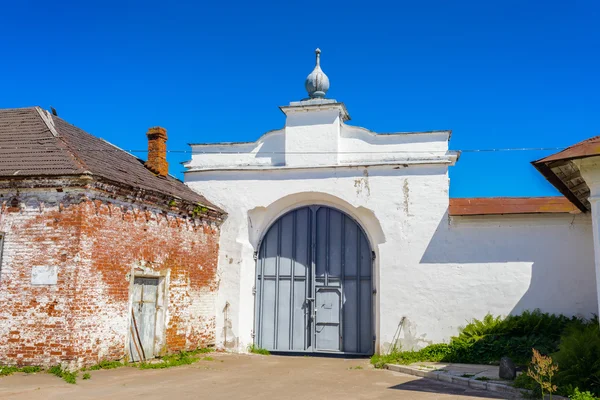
(587, 148)
(34, 143)
(564, 174)
(510, 205)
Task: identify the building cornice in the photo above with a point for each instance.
(449, 159)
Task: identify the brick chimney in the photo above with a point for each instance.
(157, 151)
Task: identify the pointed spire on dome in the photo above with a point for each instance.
(317, 83)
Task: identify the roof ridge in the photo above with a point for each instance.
(47, 120)
(61, 142)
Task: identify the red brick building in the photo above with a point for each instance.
(103, 256)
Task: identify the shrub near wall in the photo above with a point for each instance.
(573, 342)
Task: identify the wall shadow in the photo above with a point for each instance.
(432, 386)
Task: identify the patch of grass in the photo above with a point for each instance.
(105, 365)
(434, 353)
(202, 350)
(8, 370)
(482, 378)
(258, 350)
(32, 369)
(86, 376)
(173, 360)
(467, 375)
(207, 359)
(356, 367)
(67, 376)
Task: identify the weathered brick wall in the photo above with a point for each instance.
(97, 246)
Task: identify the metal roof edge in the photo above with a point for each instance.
(555, 181)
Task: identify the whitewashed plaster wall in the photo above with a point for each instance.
(590, 171)
(502, 264)
(383, 199)
(435, 271)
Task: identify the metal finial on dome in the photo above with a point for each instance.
(317, 83)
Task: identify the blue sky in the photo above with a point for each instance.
(500, 74)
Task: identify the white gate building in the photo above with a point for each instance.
(335, 234)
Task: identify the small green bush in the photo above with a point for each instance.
(577, 395)
(578, 358)
(574, 343)
(486, 341)
(435, 352)
(86, 376)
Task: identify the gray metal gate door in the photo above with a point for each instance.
(143, 318)
(314, 288)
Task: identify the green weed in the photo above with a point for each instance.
(173, 360)
(202, 350)
(106, 365)
(257, 350)
(578, 395)
(67, 376)
(6, 370)
(86, 376)
(434, 353)
(32, 369)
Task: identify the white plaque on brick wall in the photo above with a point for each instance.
(44, 275)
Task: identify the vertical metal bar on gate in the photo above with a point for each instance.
(342, 279)
(327, 266)
(277, 265)
(358, 286)
(292, 280)
(313, 273)
(262, 250)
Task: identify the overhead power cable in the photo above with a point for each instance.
(38, 149)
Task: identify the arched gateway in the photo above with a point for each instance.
(314, 290)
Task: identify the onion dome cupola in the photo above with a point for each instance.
(317, 83)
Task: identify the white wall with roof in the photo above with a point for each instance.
(433, 271)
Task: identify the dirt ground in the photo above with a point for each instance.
(241, 377)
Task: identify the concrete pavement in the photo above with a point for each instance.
(235, 376)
